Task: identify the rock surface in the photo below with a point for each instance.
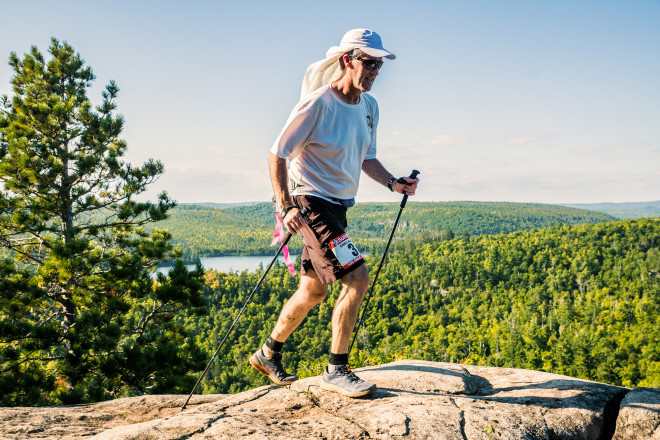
(639, 416)
(415, 400)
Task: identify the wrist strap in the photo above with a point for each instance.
(278, 235)
(285, 210)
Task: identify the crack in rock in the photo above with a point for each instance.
(545, 422)
(611, 415)
(257, 395)
(207, 425)
(203, 428)
(462, 421)
(317, 403)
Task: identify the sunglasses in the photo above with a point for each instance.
(369, 64)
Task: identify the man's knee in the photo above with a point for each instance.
(315, 296)
(312, 290)
(357, 279)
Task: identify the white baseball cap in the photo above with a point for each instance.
(366, 40)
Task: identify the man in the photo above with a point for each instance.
(329, 138)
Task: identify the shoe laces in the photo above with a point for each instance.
(279, 368)
(345, 370)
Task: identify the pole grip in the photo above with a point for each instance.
(413, 175)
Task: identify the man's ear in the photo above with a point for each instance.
(348, 61)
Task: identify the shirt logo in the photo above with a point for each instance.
(370, 122)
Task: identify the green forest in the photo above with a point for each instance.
(201, 231)
(576, 300)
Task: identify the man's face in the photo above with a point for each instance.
(363, 77)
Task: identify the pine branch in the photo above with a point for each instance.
(26, 255)
(50, 358)
(142, 325)
(38, 326)
(28, 358)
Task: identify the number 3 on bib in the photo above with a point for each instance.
(345, 251)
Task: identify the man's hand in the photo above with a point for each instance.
(294, 221)
(404, 185)
(409, 187)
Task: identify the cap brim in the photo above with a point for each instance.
(381, 53)
(336, 51)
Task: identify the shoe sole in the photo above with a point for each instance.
(330, 387)
(257, 365)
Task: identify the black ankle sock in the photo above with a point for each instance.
(338, 359)
(274, 345)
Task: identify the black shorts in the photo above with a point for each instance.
(327, 250)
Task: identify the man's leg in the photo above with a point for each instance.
(338, 375)
(344, 315)
(268, 358)
(310, 292)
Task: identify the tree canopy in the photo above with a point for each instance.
(82, 317)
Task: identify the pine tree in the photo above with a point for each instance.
(82, 316)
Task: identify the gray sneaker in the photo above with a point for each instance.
(344, 381)
(272, 368)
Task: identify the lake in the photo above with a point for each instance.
(234, 264)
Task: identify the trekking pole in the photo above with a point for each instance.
(413, 175)
(247, 301)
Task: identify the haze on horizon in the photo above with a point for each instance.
(549, 102)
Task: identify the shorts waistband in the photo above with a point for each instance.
(308, 191)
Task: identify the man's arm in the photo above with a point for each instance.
(279, 178)
(374, 169)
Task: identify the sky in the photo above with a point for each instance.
(519, 101)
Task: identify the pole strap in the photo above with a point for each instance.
(279, 235)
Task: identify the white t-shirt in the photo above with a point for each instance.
(326, 140)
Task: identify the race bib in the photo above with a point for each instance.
(345, 251)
